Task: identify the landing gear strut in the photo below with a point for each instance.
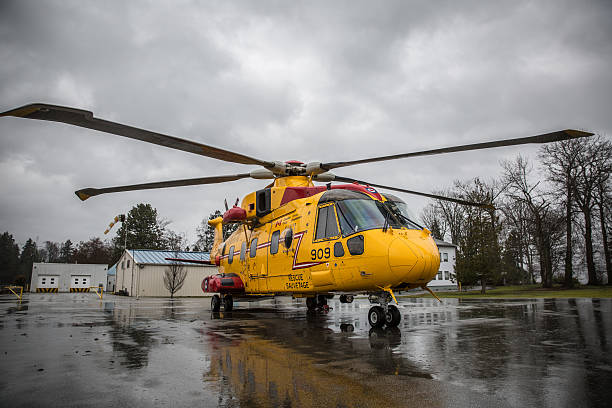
(385, 313)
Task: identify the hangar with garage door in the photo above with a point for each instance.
(60, 277)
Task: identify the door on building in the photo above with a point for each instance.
(47, 283)
(80, 283)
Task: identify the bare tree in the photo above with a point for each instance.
(434, 220)
(561, 162)
(604, 200)
(592, 161)
(452, 213)
(174, 276)
(544, 220)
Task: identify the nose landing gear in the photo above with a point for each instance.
(387, 314)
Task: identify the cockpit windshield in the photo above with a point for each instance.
(400, 209)
(358, 212)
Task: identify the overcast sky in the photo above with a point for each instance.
(280, 80)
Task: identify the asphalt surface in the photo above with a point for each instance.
(74, 350)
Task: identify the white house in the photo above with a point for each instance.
(446, 277)
(140, 272)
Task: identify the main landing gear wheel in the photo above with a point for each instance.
(228, 303)
(215, 303)
(392, 317)
(376, 316)
(311, 303)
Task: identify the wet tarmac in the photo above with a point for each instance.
(76, 350)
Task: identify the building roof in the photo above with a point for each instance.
(439, 242)
(112, 270)
(155, 257)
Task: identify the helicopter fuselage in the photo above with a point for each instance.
(290, 251)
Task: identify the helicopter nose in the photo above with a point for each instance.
(412, 260)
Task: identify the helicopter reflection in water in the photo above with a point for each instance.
(276, 362)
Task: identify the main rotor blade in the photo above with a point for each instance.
(83, 118)
(402, 190)
(85, 193)
(544, 138)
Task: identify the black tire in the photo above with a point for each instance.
(228, 303)
(311, 303)
(343, 299)
(321, 300)
(215, 303)
(393, 316)
(349, 298)
(376, 317)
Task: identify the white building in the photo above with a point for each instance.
(111, 278)
(141, 272)
(446, 277)
(60, 277)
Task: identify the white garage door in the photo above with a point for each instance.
(80, 283)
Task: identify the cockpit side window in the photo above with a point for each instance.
(327, 226)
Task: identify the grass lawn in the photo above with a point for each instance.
(529, 291)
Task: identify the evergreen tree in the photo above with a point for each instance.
(479, 257)
(29, 255)
(66, 252)
(9, 258)
(143, 228)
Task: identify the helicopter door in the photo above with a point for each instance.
(258, 259)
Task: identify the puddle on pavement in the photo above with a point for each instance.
(462, 353)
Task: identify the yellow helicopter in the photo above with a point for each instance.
(299, 239)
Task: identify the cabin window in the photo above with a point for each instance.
(338, 249)
(355, 245)
(327, 226)
(287, 237)
(243, 252)
(230, 257)
(253, 251)
(274, 242)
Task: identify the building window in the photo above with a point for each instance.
(439, 275)
(52, 281)
(128, 263)
(447, 275)
(445, 256)
(76, 281)
(122, 264)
